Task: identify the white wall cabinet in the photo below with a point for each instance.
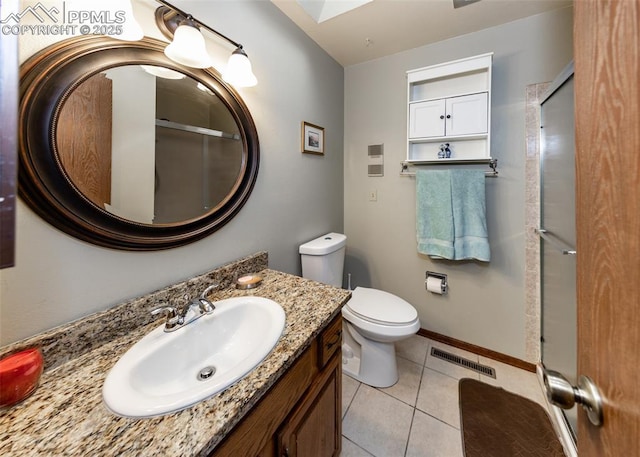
(449, 117)
(450, 103)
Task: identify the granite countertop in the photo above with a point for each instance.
(66, 415)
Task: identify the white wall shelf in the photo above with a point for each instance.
(450, 103)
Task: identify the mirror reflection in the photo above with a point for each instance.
(149, 144)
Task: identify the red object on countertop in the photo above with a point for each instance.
(19, 376)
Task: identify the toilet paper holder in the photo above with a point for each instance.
(444, 286)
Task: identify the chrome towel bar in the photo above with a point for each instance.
(493, 163)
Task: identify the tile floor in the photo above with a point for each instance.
(419, 415)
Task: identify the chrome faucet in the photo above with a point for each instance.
(206, 292)
(178, 319)
(174, 320)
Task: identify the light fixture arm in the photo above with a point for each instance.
(189, 17)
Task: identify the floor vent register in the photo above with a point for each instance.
(461, 361)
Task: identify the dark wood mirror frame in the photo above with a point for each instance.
(46, 79)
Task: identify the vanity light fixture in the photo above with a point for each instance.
(238, 71)
(188, 46)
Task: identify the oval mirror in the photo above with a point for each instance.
(123, 148)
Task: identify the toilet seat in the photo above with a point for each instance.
(379, 307)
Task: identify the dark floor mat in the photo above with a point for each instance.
(497, 423)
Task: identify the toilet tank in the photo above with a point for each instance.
(323, 258)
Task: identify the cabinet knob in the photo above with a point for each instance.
(442, 116)
(448, 116)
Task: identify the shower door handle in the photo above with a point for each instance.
(545, 235)
(561, 393)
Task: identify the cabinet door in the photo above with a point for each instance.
(426, 119)
(466, 115)
(314, 428)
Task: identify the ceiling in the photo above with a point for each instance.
(384, 27)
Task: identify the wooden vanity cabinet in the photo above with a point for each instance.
(302, 413)
(314, 427)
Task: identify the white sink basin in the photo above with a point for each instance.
(160, 373)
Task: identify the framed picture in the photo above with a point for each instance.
(312, 138)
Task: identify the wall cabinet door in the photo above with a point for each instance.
(426, 119)
(466, 115)
(314, 428)
(446, 117)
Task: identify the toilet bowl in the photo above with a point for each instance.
(373, 320)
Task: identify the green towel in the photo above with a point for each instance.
(451, 214)
(434, 213)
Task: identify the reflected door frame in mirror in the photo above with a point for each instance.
(46, 81)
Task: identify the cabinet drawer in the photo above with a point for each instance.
(330, 340)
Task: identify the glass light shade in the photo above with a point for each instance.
(130, 29)
(188, 48)
(238, 71)
(162, 72)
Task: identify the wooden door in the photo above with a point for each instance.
(607, 77)
(84, 138)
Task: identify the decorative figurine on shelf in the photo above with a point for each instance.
(445, 151)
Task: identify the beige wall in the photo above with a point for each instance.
(296, 198)
(486, 302)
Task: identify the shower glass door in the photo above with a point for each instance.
(558, 233)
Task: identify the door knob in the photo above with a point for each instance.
(561, 393)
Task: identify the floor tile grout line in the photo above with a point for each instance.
(379, 389)
(406, 445)
(352, 398)
(438, 419)
(358, 446)
(419, 386)
(413, 416)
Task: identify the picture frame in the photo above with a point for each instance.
(312, 139)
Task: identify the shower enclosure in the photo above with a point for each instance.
(558, 232)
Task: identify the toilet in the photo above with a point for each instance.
(372, 320)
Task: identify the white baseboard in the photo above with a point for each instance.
(558, 421)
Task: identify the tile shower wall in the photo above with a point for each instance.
(532, 221)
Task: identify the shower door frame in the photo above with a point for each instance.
(565, 250)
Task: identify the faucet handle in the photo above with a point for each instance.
(206, 292)
(171, 313)
(206, 306)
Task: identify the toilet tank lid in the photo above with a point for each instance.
(324, 244)
(381, 306)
